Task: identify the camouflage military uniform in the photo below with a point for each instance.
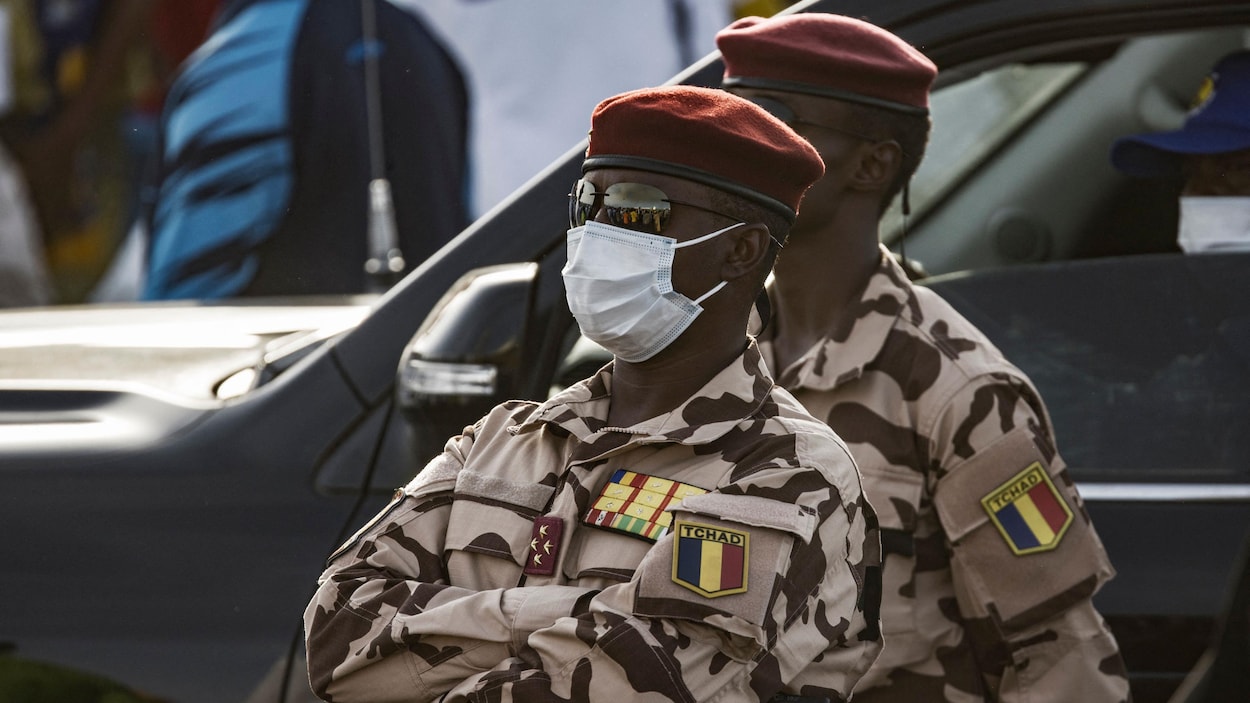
(534, 560)
(990, 557)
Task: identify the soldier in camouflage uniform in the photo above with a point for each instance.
(675, 528)
(990, 557)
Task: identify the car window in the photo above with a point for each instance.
(971, 119)
(1018, 171)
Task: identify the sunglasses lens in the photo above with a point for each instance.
(637, 206)
(631, 205)
(581, 203)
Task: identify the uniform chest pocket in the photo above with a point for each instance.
(598, 557)
(493, 516)
(722, 561)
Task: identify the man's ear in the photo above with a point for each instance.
(878, 164)
(748, 245)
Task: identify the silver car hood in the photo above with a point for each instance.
(183, 349)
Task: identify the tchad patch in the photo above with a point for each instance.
(636, 504)
(1029, 511)
(711, 561)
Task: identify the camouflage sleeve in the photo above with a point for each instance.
(1026, 559)
(385, 625)
(702, 620)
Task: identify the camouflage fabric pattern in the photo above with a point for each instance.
(438, 595)
(937, 420)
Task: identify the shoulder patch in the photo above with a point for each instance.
(711, 561)
(636, 504)
(1028, 511)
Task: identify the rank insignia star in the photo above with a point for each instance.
(544, 547)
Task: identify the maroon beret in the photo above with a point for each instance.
(827, 55)
(708, 136)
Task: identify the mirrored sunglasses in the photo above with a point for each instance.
(635, 206)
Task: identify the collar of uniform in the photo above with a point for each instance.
(842, 355)
(734, 394)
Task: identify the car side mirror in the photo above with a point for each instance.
(465, 358)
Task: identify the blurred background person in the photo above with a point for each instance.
(175, 28)
(266, 158)
(23, 271)
(67, 65)
(1210, 156)
(117, 59)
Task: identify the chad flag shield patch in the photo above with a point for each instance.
(711, 561)
(1029, 512)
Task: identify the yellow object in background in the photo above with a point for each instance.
(71, 70)
(760, 8)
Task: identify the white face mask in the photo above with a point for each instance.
(619, 284)
(1214, 223)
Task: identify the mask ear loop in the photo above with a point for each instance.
(708, 294)
(902, 239)
(704, 238)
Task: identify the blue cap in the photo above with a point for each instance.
(1219, 123)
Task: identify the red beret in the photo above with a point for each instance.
(708, 136)
(827, 55)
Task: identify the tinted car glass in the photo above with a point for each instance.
(971, 119)
(1125, 350)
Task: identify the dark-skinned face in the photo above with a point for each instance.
(829, 126)
(1226, 174)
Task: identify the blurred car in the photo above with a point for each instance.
(174, 475)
